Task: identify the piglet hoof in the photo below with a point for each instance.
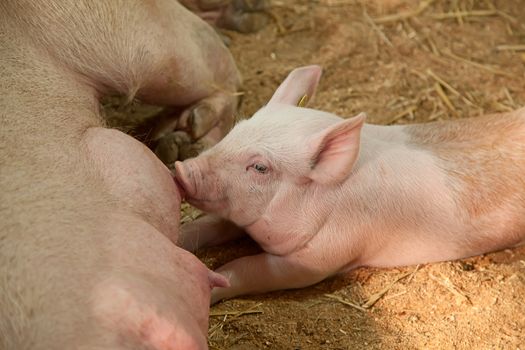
(245, 16)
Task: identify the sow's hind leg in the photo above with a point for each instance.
(178, 134)
(157, 51)
(195, 74)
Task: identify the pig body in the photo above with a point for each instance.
(89, 216)
(322, 195)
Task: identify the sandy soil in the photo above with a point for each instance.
(423, 64)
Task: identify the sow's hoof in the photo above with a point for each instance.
(177, 134)
(175, 146)
(245, 16)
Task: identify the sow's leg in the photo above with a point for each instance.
(89, 216)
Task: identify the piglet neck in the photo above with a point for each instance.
(261, 231)
(260, 226)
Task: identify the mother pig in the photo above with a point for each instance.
(88, 215)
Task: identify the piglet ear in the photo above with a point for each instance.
(299, 83)
(335, 150)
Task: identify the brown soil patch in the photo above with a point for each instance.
(422, 64)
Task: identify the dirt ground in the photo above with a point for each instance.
(401, 62)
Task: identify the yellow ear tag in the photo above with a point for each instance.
(302, 101)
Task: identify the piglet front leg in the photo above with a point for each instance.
(208, 231)
(267, 272)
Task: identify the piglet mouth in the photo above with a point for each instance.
(184, 179)
(180, 187)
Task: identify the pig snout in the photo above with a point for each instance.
(200, 185)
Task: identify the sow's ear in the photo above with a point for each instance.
(300, 82)
(335, 150)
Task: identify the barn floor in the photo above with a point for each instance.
(401, 62)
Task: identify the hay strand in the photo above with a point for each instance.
(234, 314)
(403, 113)
(404, 15)
(449, 87)
(477, 65)
(445, 282)
(441, 93)
(374, 298)
(345, 302)
(461, 14)
(376, 28)
(510, 47)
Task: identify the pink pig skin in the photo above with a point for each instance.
(89, 216)
(322, 194)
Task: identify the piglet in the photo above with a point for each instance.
(322, 194)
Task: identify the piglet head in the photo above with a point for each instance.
(274, 156)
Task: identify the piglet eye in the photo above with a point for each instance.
(260, 168)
